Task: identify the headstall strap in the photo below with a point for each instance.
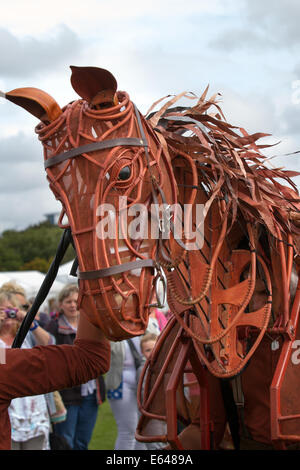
(102, 145)
(106, 144)
(78, 151)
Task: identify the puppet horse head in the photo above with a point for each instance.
(108, 168)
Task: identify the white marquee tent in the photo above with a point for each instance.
(63, 274)
(31, 281)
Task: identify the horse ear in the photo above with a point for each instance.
(36, 102)
(95, 85)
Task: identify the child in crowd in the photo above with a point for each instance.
(147, 343)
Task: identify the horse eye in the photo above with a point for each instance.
(125, 173)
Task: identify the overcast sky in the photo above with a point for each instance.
(245, 49)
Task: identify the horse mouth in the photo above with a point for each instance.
(118, 302)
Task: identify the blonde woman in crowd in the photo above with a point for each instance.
(37, 335)
(30, 423)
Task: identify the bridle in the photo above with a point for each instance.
(107, 144)
(66, 238)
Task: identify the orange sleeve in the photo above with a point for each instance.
(43, 369)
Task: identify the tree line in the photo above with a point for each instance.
(31, 249)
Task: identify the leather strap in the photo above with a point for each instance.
(117, 269)
(105, 144)
(74, 267)
(239, 399)
(231, 411)
(141, 129)
(138, 359)
(126, 141)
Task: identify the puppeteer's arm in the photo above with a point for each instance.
(87, 331)
(47, 368)
(43, 369)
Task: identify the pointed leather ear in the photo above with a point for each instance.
(36, 102)
(94, 85)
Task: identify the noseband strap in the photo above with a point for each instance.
(117, 269)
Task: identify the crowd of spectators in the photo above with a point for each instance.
(65, 419)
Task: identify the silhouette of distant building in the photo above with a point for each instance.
(52, 218)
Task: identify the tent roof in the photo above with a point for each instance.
(31, 281)
(63, 274)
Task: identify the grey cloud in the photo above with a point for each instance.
(21, 164)
(279, 19)
(235, 39)
(25, 196)
(289, 120)
(19, 210)
(263, 25)
(297, 75)
(27, 56)
(20, 147)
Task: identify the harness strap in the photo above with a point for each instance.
(126, 141)
(239, 399)
(138, 359)
(117, 269)
(73, 271)
(231, 411)
(64, 243)
(106, 144)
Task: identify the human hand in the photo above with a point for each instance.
(2, 316)
(20, 315)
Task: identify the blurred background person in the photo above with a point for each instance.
(53, 307)
(81, 402)
(36, 335)
(30, 422)
(121, 383)
(147, 343)
(42, 317)
(18, 291)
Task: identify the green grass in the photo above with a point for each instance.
(105, 430)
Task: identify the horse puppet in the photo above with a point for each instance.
(182, 196)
